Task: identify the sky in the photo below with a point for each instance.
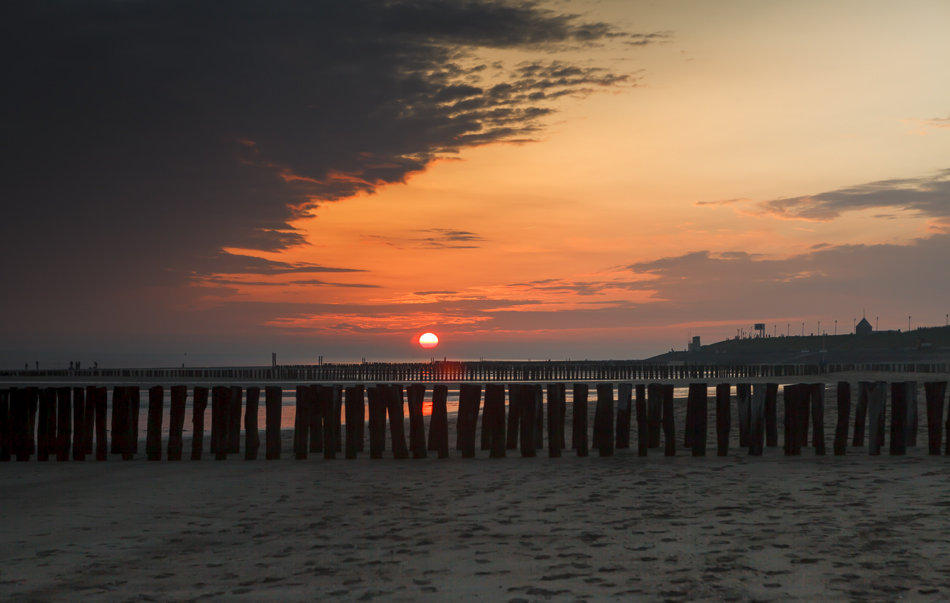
(209, 182)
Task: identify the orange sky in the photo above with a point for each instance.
(744, 103)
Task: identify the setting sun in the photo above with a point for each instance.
(428, 340)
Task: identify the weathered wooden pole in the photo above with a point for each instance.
(199, 406)
(302, 422)
(792, 397)
(654, 412)
(555, 427)
(135, 407)
(153, 430)
(771, 415)
(273, 400)
(439, 422)
(377, 420)
(538, 416)
(877, 403)
(397, 421)
(580, 419)
(817, 391)
(89, 419)
(470, 396)
(361, 420)
(844, 416)
(63, 423)
(604, 418)
(487, 421)
(697, 406)
(32, 401)
(354, 407)
(935, 392)
(415, 394)
(528, 410)
(252, 438)
(6, 433)
(898, 445)
(102, 446)
(912, 425)
(744, 405)
(234, 424)
(326, 405)
(493, 419)
(624, 399)
(757, 419)
(176, 421)
(514, 416)
(804, 408)
(20, 433)
(221, 423)
(643, 427)
(860, 413)
(121, 422)
(79, 424)
(316, 417)
(723, 418)
(669, 421)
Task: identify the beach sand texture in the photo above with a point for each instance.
(735, 528)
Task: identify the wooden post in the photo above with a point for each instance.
(771, 415)
(302, 422)
(697, 402)
(234, 424)
(273, 400)
(669, 422)
(792, 396)
(121, 419)
(176, 421)
(514, 416)
(20, 433)
(377, 420)
(415, 394)
(89, 419)
(877, 403)
(102, 399)
(199, 406)
(860, 413)
(5, 431)
(326, 404)
(604, 419)
(488, 420)
(654, 412)
(79, 424)
(538, 416)
(898, 419)
(624, 398)
(316, 417)
(361, 420)
(817, 391)
(439, 423)
(493, 419)
(397, 421)
(580, 419)
(252, 438)
(743, 403)
(935, 392)
(844, 416)
(643, 427)
(135, 407)
(32, 401)
(555, 428)
(911, 426)
(63, 426)
(723, 418)
(153, 431)
(528, 410)
(354, 408)
(757, 419)
(221, 422)
(804, 408)
(470, 396)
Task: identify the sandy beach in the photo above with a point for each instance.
(735, 528)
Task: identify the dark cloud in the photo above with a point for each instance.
(140, 139)
(446, 238)
(929, 197)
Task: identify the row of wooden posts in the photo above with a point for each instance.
(54, 421)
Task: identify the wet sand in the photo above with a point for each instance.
(772, 528)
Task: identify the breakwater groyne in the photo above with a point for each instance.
(71, 422)
(482, 371)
